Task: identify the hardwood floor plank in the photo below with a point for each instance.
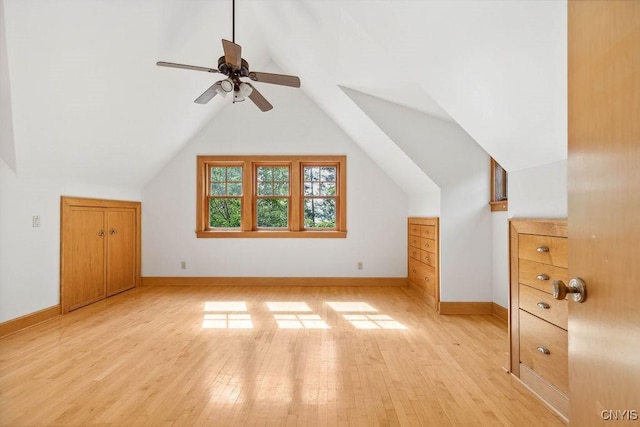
(198, 356)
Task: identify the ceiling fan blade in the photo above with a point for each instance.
(259, 100)
(208, 94)
(232, 54)
(187, 67)
(276, 79)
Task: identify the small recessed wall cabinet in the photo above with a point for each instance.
(424, 264)
(538, 323)
(100, 250)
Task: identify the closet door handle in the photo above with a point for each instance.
(113, 231)
(101, 233)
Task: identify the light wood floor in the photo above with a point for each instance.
(222, 356)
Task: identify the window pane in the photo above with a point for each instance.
(234, 189)
(217, 189)
(272, 213)
(265, 189)
(328, 189)
(218, 174)
(281, 189)
(308, 189)
(311, 173)
(281, 174)
(265, 174)
(328, 174)
(234, 174)
(224, 213)
(319, 213)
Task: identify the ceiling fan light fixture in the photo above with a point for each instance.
(237, 96)
(226, 85)
(245, 89)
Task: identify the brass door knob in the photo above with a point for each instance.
(576, 287)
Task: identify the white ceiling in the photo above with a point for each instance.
(88, 102)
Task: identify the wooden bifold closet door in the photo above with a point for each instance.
(100, 250)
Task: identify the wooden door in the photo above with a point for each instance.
(121, 244)
(83, 253)
(604, 210)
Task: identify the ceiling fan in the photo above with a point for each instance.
(234, 67)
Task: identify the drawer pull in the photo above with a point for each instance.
(426, 278)
(544, 305)
(542, 249)
(544, 350)
(542, 277)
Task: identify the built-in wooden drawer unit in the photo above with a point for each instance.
(428, 231)
(415, 253)
(538, 323)
(414, 241)
(423, 265)
(429, 245)
(543, 305)
(539, 275)
(543, 249)
(543, 348)
(428, 258)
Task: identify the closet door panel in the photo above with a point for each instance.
(85, 249)
(121, 268)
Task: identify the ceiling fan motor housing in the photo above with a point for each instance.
(224, 68)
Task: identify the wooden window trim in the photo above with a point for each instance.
(497, 205)
(296, 209)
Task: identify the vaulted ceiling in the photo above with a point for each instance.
(86, 101)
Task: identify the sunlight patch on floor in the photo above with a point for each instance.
(351, 306)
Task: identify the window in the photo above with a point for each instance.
(271, 196)
(498, 187)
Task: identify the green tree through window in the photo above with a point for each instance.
(225, 201)
(320, 197)
(272, 202)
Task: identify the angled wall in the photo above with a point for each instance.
(456, 163)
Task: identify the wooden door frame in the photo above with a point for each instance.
(66, 204)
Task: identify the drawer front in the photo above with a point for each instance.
(429, 245)
(539, 275)
(415, 241)
(414, 230)
(535, 333)
(428, 258)
(544, 306)
(428, 231)
(414, 269)
(415, 253)
(544, 249)
(424, 277)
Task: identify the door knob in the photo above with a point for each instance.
(577, 287)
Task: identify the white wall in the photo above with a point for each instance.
(30, 257)
(376, 207)
(500, 257)
(7, 148)
(539, 192)
(460, 167)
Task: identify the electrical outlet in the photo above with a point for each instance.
(35, 221)
(360, 265)
(183, 265)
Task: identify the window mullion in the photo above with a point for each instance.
(295, 201)
(248, 192)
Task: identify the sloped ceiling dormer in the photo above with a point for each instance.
(88, 102)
